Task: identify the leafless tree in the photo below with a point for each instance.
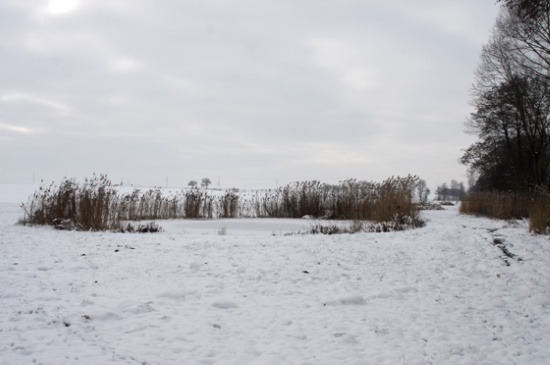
(527, 9)
(205, 182)
(512, 102)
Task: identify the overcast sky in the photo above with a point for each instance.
(249, 92)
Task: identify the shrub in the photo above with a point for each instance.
(334, 228)
(318, 227)
(150, 227)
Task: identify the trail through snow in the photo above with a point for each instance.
(443, 294)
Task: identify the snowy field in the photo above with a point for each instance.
(443, 294)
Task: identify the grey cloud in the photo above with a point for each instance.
(312, 89)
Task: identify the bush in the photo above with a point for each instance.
(335, 228)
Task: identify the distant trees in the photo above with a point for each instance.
(453, 193)
(205, 182)
(511, 98)
(422, 191)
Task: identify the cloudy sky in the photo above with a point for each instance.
(250, 92)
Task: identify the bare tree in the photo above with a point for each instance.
(205, 182)
(452, 193)
(530, 42)
(192, 183)
(527, 9)
(422, 191)
(512, 102)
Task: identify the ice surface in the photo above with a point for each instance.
(442, 294)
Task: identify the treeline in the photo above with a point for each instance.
(511, 98)
(453, 192)
(98, 205)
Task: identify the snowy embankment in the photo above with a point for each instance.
(443, 294)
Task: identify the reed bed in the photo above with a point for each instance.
(510, 205)
(97, 205)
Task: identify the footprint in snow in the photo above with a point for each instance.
(224, 304)
(347, 300)
(346, 338)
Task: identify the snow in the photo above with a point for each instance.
(443, 294)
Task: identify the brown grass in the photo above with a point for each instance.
(389, 201)
(539, 214)
(229, 204)
(91, 206)
(335, 228)
(96, 205)
(500, 205)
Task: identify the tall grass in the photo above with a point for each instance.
(229, 204)
(539, 214)
(508, 205)
(91, 206)
(388, 201)
(198, 203)
(149, 205)
(97, 205)
(495, 204)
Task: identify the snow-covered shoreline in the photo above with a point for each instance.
(442, 294)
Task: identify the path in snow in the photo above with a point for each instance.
(442, 294)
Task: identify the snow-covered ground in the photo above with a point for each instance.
(443, 294)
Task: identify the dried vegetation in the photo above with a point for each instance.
(97, 205)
